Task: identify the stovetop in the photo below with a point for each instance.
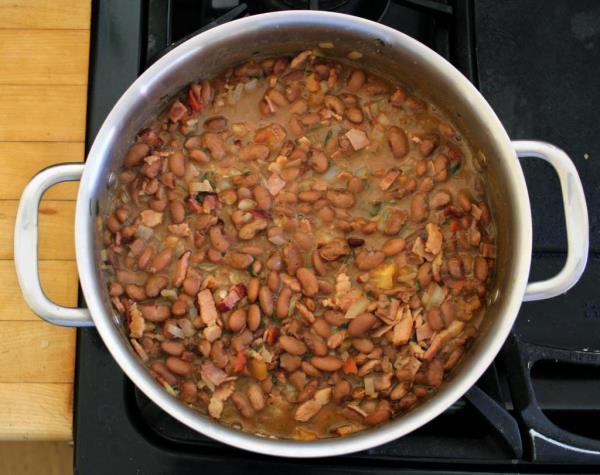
(537, 408)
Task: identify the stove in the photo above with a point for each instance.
(537, 408)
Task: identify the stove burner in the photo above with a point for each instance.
(369, 9)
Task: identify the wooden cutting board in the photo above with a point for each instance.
(44, 48)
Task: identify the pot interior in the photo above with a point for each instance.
(386, 52)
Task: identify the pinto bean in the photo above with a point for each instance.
(398, 142)
(318, 161)
(434, 318)
(249, 231)
(173, 348)
(419, 208)
(326, 363)
(155, 313)
(189, 392)
(292, 345)
(252, 289)
(341, 390)
(112, 223)
(177, 211)
(318, 264)
(160, 368)
(273, 281)
(362, 345)
(293, 258)
(263, 198)
(242, 404)
(316, 344)
(455, 267)
(253, 317)
(155, 284)
(177, 164)
(218, 239)
(341, 198)
(361, 324)
(424, 274)
(238, 260)
(356, 80)
(136, 154)
(354, 115)
(367, 260)
(116, 289)
(265, 298)
(463, 200)
(180, 270)
(256, 396)
(322, 328)
(178, 366)
(135, 292)
(283, 302)
(289, 362)
(237, 320)
(480, 269)
(334, 103)
(394, 246)
(161, 260)
(308, 280)
(215, 124)
(440, 199)
(380, 414)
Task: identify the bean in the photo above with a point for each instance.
(299, 107)
(292, 345)
(356, 80)
(238, 260)
(237, 320)
(355, 185)
(463, 200)
(316, 344)
(448, 312)
(249, 231)
(289, 362)
(354, 115)
(112, 223)
(480, 269)
(273, 281)
(242, 404)
(326, 363)
(253, 317)
(116, 289)
(218, 239)
(263, 198)
(440, 199)
(296, 127)
(380, 414)
(394, 246)
(293, 258)
(252, 289)
(362, 345)
(218, 354)
(424, 274)
(341, 198)
(326, 214)
(136, 154)
(318, 161)
(309, 196)
(395, 223)
(308, 280)
(341, 390)
(367, 260)
(177, 211)
(334, 103)
(434, 318)
(322, 328)
(161, 260)
(398, 142)
(361, 324)
(160, 368)
(135, 292)
(214, 144)
(177, 164)
(155, 313)
(256, 396)
(178, 366)
(265, 298)
(419, 209)
(155, 284)
(455, 267)
(283, 302)
(173, 348)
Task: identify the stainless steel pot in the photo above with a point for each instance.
(392, 54)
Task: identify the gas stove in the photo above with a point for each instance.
(537, 408)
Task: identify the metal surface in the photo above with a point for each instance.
(26, 248)
(576, 220)
(392, 54)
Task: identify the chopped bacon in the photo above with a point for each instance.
(434, 239)
(150, 137)
(389, 179)
(424, 332)
(209, 202)
(213, 374)
(208, 311)
(136, 322)
(137, 246)
(236, 293)
(177, 111)
(358, 138)
(275, 184)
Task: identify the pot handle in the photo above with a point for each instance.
(576, 219)
(26, 248)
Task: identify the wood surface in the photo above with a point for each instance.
(44, 54)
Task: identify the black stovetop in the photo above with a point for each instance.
(537, 408)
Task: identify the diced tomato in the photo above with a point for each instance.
(195, 103)
(454, 225)
(350, 366)
(240, 363)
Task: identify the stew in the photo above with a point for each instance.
(299, 248)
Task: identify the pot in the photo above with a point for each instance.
(391, 54)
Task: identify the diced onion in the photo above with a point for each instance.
(433, 296)
(251, 85)
(357, 308)
(203, 186)
(369, 386)
(144, 232)
(246, 204)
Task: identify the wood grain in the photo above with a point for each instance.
(33, 458)
(42, 113)
(44, 56)
(36, 411)
(36, 352)
(59, 281)
(19, 161)
(56, 228)
(63, 14)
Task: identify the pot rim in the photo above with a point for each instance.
(136, 371)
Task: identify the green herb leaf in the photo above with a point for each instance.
(345, 325)
(328, 136)
(375, 208)
(454, 169)
(262, 324)
(276, 320)
(274, 379)
(418, 285)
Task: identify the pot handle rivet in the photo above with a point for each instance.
(26, 248)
